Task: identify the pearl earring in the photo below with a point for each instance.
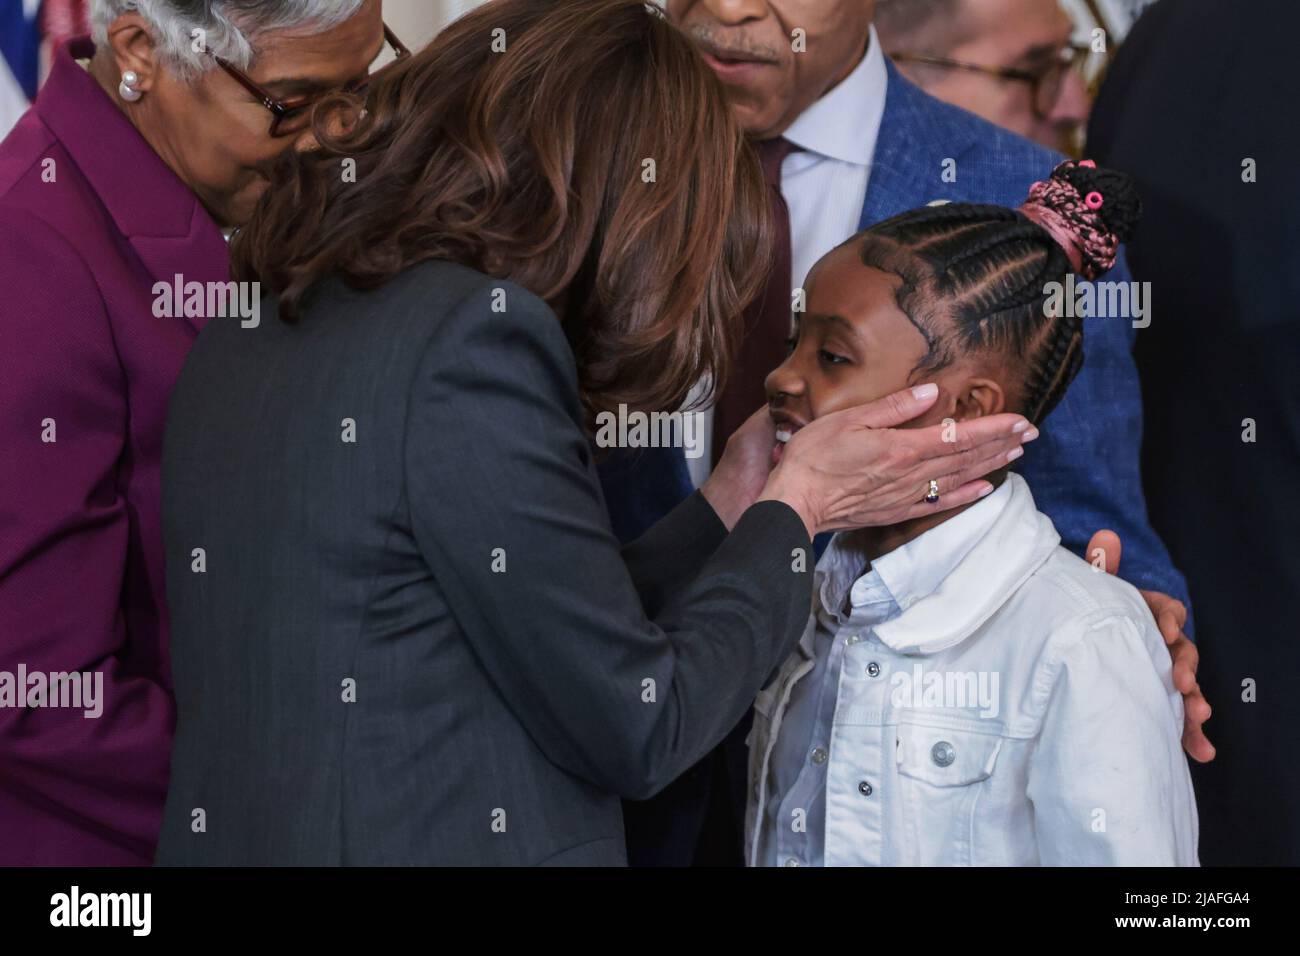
(126, 89)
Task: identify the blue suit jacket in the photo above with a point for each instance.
(1083, 471)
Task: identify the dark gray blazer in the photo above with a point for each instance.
(424, 645)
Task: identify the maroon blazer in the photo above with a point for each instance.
(90, 219)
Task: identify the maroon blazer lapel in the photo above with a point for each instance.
(157, 213)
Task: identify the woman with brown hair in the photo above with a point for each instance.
(403, 631)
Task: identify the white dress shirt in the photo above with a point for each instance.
(986, 698)
(825, 182)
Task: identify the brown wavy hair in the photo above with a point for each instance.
(531, 165)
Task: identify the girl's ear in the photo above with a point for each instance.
(980, 397)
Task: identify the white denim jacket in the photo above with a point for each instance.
(1072, 757)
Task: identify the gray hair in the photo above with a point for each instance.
(183, 29)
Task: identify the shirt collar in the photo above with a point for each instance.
(839, 574)
(844, 123)
(953, 577)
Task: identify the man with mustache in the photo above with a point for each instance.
(846, 141)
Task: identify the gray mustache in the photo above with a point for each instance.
(740, 47)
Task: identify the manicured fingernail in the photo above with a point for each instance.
(986, 489)
(1021, 425)
(922, 392)
(1030, 435)
(1015, 453)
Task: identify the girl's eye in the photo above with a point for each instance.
(831, 358)
(790, 343)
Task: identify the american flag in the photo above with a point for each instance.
(29, 30)
(61, 20)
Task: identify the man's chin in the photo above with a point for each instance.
(761, 124)
(757, 110)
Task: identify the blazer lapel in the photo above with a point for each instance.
(200, 255)
(158, 215)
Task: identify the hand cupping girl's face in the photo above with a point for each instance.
(853, 345)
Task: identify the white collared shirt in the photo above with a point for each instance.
(825, 182)
(988, 699)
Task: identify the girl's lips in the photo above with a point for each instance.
(784, 432)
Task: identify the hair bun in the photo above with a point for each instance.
(1088, 211)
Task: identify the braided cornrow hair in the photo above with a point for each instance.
(976, 276)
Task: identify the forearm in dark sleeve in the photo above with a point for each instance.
(497, 462)
(664, 560)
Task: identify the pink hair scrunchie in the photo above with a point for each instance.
(1074, 223)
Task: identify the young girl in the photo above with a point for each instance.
(966, 692)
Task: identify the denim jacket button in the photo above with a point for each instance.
(943, 753)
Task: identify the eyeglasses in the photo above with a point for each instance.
(1046, 82)
(291, 117)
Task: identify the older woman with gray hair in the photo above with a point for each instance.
(114, 189)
